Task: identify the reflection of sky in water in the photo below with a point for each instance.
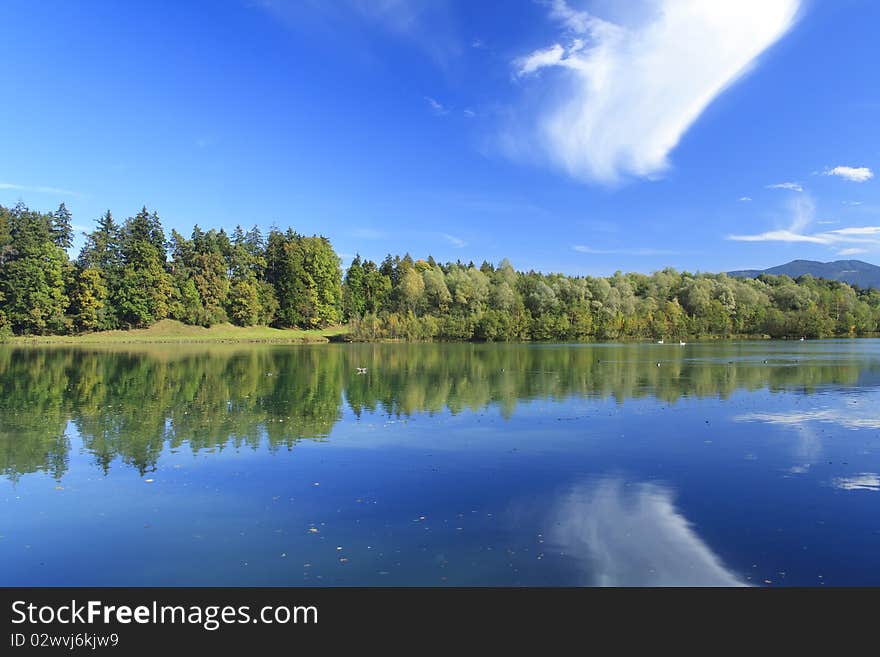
(631, 534)
(452, 464)
(858, 411)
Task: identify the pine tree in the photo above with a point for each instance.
(62, 230)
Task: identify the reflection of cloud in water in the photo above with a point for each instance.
(863, 481)
(634, 536)
(848, 419)
(855, 417)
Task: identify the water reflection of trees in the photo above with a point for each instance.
(130, 405)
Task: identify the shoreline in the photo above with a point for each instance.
(172, 332)
(267, 336)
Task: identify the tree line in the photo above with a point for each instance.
(130, 275)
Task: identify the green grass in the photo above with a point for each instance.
(171, 331)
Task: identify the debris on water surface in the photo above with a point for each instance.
(313, 530)
(149, 481)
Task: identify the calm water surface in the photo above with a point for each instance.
(739, 463)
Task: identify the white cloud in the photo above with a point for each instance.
(744, 199)
(437, 107)
(848, 241)
(777, 236)
(855, 174)
(828, 238)
(791, 186)
(39, 189)
(631, 92)
(539, 59)
(857, 230)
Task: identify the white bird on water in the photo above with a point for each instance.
(659, 341)
(682, 343)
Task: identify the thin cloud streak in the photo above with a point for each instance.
(580, 248)
(849, 241)
(39, 189)
(437, 107)
(457, 242)
(791, 186)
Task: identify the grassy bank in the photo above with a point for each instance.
(170, 331)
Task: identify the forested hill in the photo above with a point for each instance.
(130, 274)
(854, 272)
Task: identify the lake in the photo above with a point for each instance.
(722, 463)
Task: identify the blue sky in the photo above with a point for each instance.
(582, 137)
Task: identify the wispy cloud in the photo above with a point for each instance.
(457, 242)
(745, 199)
(847, 241)
(629, 92)
(431, 27)
(436, 106)
(867, 235)
(791, 186)
(39, 189)
(854, 174)
(580, 248)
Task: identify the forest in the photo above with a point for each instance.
(130, 274)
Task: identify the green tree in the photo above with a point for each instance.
(88, 300)
(33, 273)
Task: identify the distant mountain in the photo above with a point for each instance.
(854, 272)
